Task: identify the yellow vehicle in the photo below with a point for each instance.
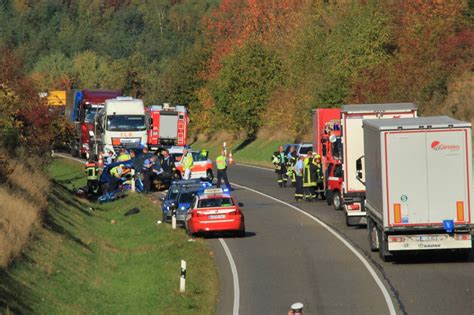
(56, 98)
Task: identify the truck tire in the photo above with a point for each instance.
(329, 197)
(337, 200)
(383, 247)
(373, 235)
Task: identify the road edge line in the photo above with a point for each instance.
(365, 262)
(235, 277)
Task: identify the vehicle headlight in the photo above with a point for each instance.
(167, 207)
(85, 146)
(183, 208)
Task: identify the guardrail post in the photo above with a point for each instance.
(173, 219)
(182, 277)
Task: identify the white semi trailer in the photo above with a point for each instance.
(418, 184)
(352, 116)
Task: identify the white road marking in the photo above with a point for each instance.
(258, 167)
(370, 269)
(233, 268)
(235, 277)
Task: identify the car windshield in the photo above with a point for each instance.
(90, 114)
(186, 197)
(172, 194)
(177, 156)
(126, 123)
(305, 150)
(215, 202)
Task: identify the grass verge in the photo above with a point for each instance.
(81, 263)
(257, 152)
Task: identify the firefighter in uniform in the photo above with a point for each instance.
(292, 159)
(124, 156)
(92, 171)
(319, 177)
(309, 177)
(280, 161)
(298, 172)
(221, 163)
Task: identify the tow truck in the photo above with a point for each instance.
(215, 210)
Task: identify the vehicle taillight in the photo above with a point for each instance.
(354, 206)
(396, 239)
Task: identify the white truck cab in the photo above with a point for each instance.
(121, 123)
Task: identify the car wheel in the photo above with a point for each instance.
(241, 231)
(337, 200)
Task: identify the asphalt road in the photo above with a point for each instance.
(288, 257)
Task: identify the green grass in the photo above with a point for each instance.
(258, 152)
(81, 263)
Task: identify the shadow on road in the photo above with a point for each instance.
(226, 235)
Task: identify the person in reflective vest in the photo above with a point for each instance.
(319, 177)
(292, 159)
(116, 175)
(92, 171)
(309, 178)
(204, 154)
(298, 171)
(187, 163)
(280, 162)
(124, 156)
(221, 164)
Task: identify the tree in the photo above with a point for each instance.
(243, 87)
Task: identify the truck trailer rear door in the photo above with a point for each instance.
(447, 162)
(406, 178)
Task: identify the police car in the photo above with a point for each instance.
(172, 196)
(215, 210)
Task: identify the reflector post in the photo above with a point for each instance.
(397, 213)
(460, 211)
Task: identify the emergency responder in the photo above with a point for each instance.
(280, 161)
(309, 178)
(221, 163)
(187, 163)
(149, 172)
(319, 177)
(123, 156)
(109, 158)
(116, 174)
(204, 155)
(92, 171)
(298, 171)
(168, 167)
(292, 159)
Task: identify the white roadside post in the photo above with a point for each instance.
(173, 219)
(182, 278)
(133, 179)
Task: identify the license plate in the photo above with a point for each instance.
(217, 216)
(430, 238)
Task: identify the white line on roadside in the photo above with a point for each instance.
(235, 277)
(370, 269)
(69, 157)
(253, 166)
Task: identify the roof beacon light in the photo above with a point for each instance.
(213, 191)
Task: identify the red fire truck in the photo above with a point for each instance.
(81, 108)
(167, 126)
(327, 143)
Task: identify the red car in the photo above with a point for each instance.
(215, 211)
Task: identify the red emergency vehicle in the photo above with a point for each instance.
(81, 109)
(327, 143)
(167, 126)
(215, 211)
